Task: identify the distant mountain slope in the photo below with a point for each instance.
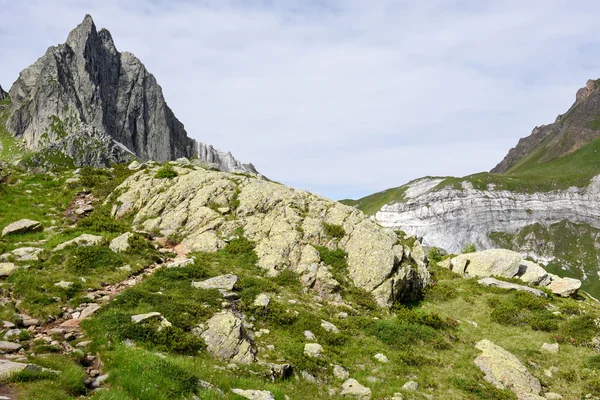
(577, 127)
(85, 88)
(545, 204)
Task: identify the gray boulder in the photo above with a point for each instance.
(120, 244)
(7, 269)
(22, 226)
(222, 282)
(493, 282)
(82, 240)
(9, 347)
(23, 254)
(505, 371)
(254, 394)
(352, 388)
(227, 339)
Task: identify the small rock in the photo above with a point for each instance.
(7, 269)
(125, 268)
(552, 348)
(410, 386)
(136, 319)
(64, 284)
(353, 388)
(223, 282)
(89, 311)
(9, 347)
(342, 315)
(22, 226)
(254, 394)
(134, 166)
(552, 396)
(262, 300)
(308, 335)
(381, 358)
(308, 377)
(8, 325)
(82, 240)
(340, 372)
(313, 350)
(97, 382)
(329, 327)
(398, 396)
(181, 263)
(120, 244)
(83, 344)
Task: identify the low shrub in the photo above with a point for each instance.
(166, 172)
(334, 231)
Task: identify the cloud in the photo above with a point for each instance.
(343, 98)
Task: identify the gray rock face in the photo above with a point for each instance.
(284, 223)
(85, 88)
(3, 94)
(451, 218)
(227, 339)
(505, 371)
(22, 226)
(510, 264)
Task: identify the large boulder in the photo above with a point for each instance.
(81, 240)
(120, 244)
(505, 371)
(285, 224)
(22, 226)
(509, 264)
(227, 339)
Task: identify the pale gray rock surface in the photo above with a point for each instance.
(7, 269)
(22, 226)
(81, 240)
(284, 223)
(509, 264)
(227, 339)
(8, 367)
(550, 347)
(313, 350)
(352, 388)
(222, 282)
(254, 394)
(505, 371)
(120, 244)
(10, 347)
(340, 372)
(86, 94)
(451, 218)
(493, 282)
(3, 94)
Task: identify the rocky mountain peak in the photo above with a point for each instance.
(87, 88)
(572, 130)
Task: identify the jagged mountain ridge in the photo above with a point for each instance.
(571, 130)
(87, 87)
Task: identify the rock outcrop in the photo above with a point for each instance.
(227, 339)
(22, 226)
(284, 223)
(505, 371)
(3, 94)
(451, 217)
(86, 91)
(509, 264)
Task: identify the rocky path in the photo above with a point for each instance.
(61, 332)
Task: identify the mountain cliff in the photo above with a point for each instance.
(545, 202)
(3, 94)
(86, 88)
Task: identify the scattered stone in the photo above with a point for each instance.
(64, 284)
(22, 226)
(227, 339)
(308, 377)
(120, 244)
(11, 333)
(329, 327)
(381, 358)
(85, 209)
(254, 394)
(181, 263)
(83, 344)
(564, 287)
(134, 166)
(411, 386)
(313, 350)
(82, 240)
(7, 269)
(89, 311)
(342, 315)
(262, 300)
(352, 388)
(136, 319)
(98, 381)
(8, 325)
(493, 282)
(552, 348)
(9, 347)
(23, 254)
(505, 371)
(397, 396)
(10, 367)
(552, 396)
(28, 321)
(308, 335)
(340, 372)
(223, 282)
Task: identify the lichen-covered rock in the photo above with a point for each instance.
(285, 224)
(254, 394)
(7, 269)
(81, 240)
(22, 226)
(510, 264)
(227, 339)
(23, 254)
(222, 282)
(505, 371)
(120, 244)
(352, 388)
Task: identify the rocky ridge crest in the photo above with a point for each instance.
(87, 87)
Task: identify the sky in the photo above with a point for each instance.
(342, 98)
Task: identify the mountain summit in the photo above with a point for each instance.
(577, 127)
(85, 91)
